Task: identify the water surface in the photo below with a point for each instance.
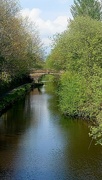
(37, 143)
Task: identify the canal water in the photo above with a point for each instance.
(38, 143)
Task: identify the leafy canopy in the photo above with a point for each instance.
(92, 8)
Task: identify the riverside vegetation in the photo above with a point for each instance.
(78, 52)
(20, 47)
(13, 96)
(20, 50)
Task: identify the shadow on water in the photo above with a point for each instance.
(38, 143)
(13, 124)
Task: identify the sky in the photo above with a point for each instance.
(50, 16)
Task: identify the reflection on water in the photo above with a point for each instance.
(37, 143)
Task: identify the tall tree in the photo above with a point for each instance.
(20, 45)
(92, 8)
(78, 51)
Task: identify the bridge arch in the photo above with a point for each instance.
(37, 74)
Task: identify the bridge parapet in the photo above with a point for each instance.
(36, 74)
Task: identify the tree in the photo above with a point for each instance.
(79, 46)
(78, 51)
(20, 45)
(92, 8)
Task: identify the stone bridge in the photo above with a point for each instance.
(37, 74)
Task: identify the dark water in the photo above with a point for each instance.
(37, 143)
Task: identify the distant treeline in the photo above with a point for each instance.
(78, 52)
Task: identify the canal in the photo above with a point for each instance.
(38, 143)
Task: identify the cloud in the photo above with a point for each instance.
(47, 27)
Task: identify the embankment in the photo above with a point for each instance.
(15, 95)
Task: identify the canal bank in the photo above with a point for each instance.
(15, 95)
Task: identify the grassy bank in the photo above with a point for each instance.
(15, 95)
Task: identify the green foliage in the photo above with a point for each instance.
(49, 78)
(20, 45)
(79, 47)
(57, 59)
(14, 96)
(78, 51)
(96, 131)
(52, 82)
(72, 93)
(91, 8)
